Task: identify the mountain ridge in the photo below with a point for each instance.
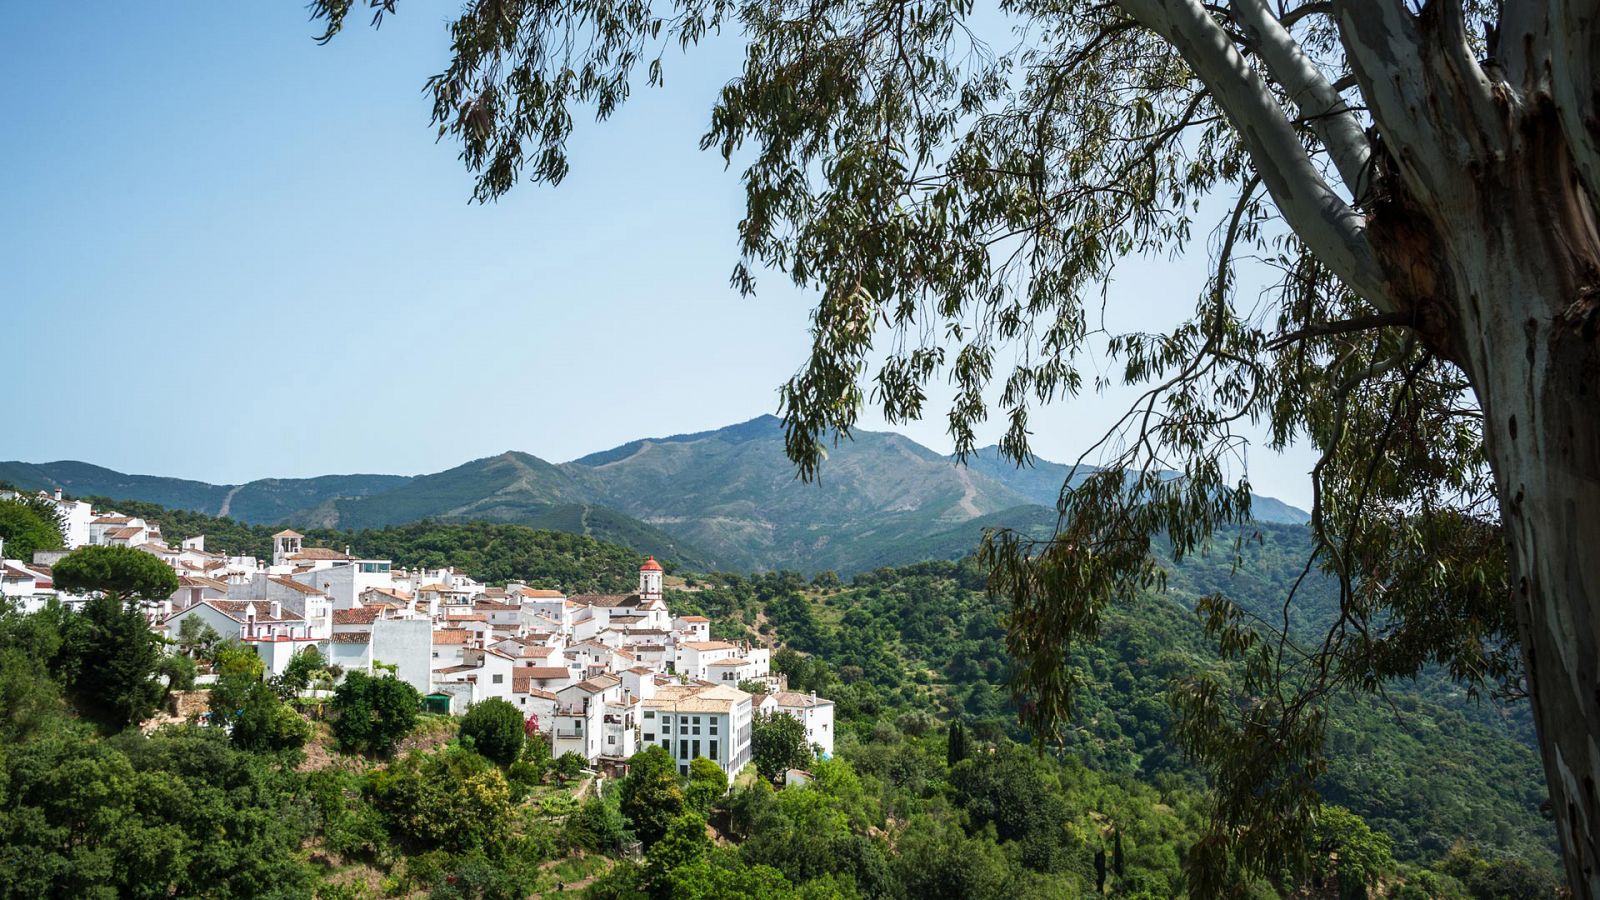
(724, 498)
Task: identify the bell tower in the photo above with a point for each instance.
(650, 580)
(284, 545)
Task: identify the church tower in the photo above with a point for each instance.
(284, 545)
(650, 580)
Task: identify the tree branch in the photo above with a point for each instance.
(1319, 216)
(1330, 116)
(1346, 326)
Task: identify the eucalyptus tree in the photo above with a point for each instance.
(1416, 185)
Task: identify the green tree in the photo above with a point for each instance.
(651, 796)
(598, 825)
(236, 659)
(707, 784)
(778, 743)
(955, 744)
(1423, 333)
(683, 844)
(371, 715)
(297, 674)
(179, 670)
(255, 716)
(120, 573)
(938, 862)
(568, 765)
(495, 727)
(28, 524)
(198, 639)
(449, 799)
(108, 661)
(1344, 847)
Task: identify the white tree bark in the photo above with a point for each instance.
(1331, 118)
(1485, 234)
(1319, 216)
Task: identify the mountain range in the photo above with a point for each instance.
(725, 499)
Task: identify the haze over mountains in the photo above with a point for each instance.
(718, 499)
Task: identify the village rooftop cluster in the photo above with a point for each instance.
(601, 675)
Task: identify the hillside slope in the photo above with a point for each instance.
(734, 492)
(725, 499)
(264, 500)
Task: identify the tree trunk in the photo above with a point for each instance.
(1544, 440)
(1520, 274)
(1542, 413)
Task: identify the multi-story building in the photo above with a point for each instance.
(693, 720)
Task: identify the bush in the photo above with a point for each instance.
(450, 800)
(707, 784)
(371, 715)
(495, 727)
(256, 718)
(570, 765)
(599, 826)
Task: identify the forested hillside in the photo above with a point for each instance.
(934, 791)
(1431, 769)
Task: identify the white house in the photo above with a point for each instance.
(814, 712)
(594, 719)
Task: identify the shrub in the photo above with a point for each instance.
(495, 727)
(371, 715)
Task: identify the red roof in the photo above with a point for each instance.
(650, 565)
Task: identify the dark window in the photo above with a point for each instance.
(713, 750)
(696, 748)
(650, 737)
(683, 749)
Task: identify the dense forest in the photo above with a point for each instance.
(932, 792)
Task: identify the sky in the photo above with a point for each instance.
(228, 253)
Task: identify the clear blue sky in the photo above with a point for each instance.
(229, 253)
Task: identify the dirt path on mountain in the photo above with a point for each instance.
(971, 493)
(227, 502)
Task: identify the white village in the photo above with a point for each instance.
(599, 675)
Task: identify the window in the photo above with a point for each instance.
(713, 750)
(499, 678)
(667, 721)
(683, 749)
(696, 748)
(649, 714)
(650, 737)
(713, 726)
(667, 746)
(611, 739)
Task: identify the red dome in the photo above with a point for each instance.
(650, 565)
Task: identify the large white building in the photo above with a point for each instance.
(691, 720)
